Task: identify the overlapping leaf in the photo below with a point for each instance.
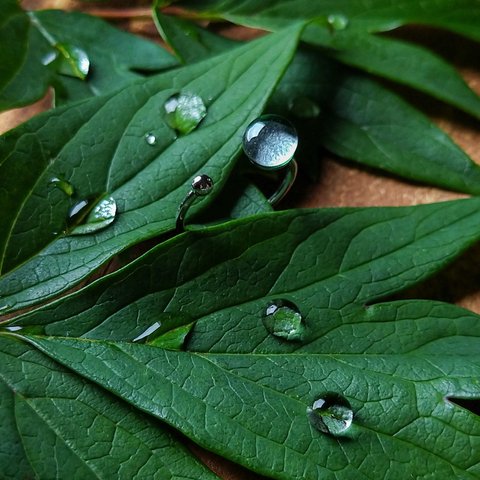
(355, 44)
(358, 118)
(395, 362)
(68, 428)
(99, 146)
(28, 66)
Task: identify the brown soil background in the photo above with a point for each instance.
(340, 183)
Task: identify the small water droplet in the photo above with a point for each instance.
(304, 107)
(184, 112)
(337, 21)
(150, 138)
(331, 413)
(283, 319)
(202, 185)
(88, 216)
(270, 142)
(74, 61)
(151, 329)
(63, 185)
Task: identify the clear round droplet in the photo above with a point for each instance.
(337, 21)
(87, 216)
(270, 142)
(202, 185)
(73, 62)
(150, 138)
(283, 319)
(304, 107)
(63, 185)
(184, 112)
(331, 413)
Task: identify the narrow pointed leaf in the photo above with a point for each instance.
(353, 43)
(72, 429)
(363, 121)
(99, 146)
(253, 408)
(399, 61)
(31, 62)
(331, 261)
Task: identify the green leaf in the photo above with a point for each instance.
(361, 120)
(253, 408)
(73, 429)
(190, 42)
(354, 44)
(461, 16)
(329, 262)
(99, 146)
(13, 461)
(36, 53)
(400, 61)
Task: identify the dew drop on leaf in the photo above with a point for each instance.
(337, 21)
(88, 216)
(63, 185)
(184, 112)
(283, 319)
(304, 107)
(150, 138)
(270, 142)
(331, 413)
(73, 62)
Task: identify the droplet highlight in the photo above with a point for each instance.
(270, 142)
(283, 319)
(87, 216)
(63, 185)
(331, 414)
(150, 138)
(73, 61)
(13, 328)
(184, 112)
(337, 21)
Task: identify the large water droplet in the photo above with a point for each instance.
(150, 138)
(86, 216)
(283, 320)
(331, 413)
(304, 107)
(63, 185)
(184, 112)
(270, 142)
(73, 62)
(337, 21)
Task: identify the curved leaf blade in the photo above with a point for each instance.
(73, 143)
(252, 408)
(73, 429)
(404, 63)
(363, 121)
(329, 261)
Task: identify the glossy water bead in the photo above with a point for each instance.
(270, 142)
